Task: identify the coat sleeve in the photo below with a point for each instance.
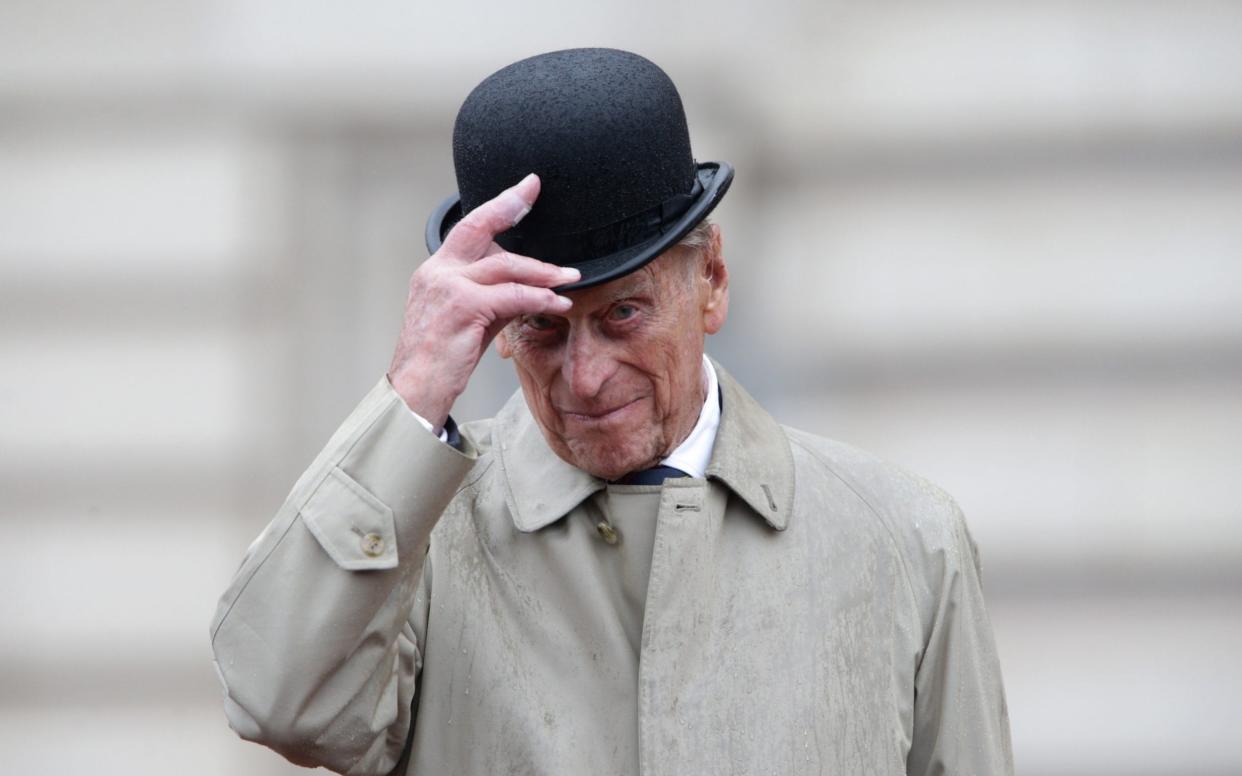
(317, 638)
(961, 722)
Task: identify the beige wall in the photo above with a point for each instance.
(999, 244)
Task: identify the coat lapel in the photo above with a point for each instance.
(752, 454)
(540, 488)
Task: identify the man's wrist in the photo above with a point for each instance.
(440, 429)
(422, 400)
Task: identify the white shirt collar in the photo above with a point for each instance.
(693, 455)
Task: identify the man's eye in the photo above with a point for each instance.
(539, 322)
(623, 311)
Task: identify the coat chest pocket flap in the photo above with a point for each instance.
(354, 527)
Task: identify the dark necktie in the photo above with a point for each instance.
(656, 475)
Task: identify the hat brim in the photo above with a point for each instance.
(714, 177)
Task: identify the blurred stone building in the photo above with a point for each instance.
(998, 244)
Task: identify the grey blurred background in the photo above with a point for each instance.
(998, 243)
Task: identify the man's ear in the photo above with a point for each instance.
(716, 306)
(503, 347)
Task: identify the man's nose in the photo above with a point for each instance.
(587, 365)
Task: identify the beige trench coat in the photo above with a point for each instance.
(810, 610)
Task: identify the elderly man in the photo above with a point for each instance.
(632, 568)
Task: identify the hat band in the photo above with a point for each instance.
(576, 247)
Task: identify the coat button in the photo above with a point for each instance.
(373, 545)
(607, 532)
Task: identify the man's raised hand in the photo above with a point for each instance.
(462, 296)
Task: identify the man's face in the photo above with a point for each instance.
(617, 383)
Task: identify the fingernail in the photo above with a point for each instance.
(565, 300)
(570, 273)
(521, 214)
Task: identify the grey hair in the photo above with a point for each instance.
(697, 242)
(699, 237)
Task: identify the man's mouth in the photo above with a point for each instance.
(596, 417)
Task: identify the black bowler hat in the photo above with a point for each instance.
(606, 133)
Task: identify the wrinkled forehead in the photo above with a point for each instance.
(649, 282)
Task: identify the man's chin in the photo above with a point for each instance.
(606, 464)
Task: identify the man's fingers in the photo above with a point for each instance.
(506, 267)
(509, 300)
(473, 235)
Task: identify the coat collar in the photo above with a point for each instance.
(752, 454)
(751, 457)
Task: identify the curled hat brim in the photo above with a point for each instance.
(713, 178)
